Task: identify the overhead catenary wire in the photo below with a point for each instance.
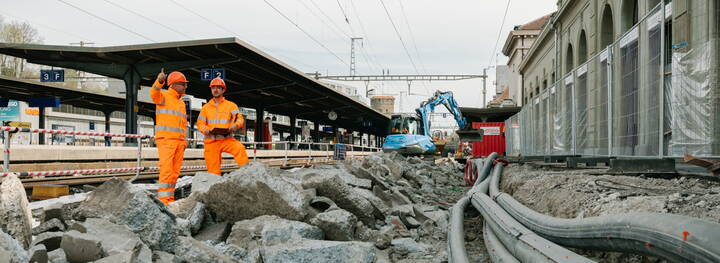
(148, 19)
(412, 38)
(366, 37)
(235, 33)
(106, 20)
(502, 24)
(43, 25)
(397, 32)
(305, 32)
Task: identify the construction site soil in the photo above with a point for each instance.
(580, 193)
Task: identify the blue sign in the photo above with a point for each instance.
(207, 74)
(11, 112)
(219, 73)
(327, 129)
(44, 102)
(57, 75)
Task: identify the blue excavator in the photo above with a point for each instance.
(410, 134)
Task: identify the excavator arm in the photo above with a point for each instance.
(466, 133)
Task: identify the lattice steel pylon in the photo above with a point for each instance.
(352, 53)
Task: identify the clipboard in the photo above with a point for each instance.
(223, 131)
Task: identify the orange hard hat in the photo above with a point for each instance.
(176, 77)
(218, 82)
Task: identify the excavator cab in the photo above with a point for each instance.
(405, 124)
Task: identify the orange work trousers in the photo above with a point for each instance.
(215, 148)
(171, 153)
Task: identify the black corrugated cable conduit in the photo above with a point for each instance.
(671, 237)
(521, 242)
(512, 240)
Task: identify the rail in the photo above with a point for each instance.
(287, 145)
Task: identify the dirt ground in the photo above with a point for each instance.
(580, 193)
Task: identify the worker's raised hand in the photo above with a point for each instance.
(233, 128)
(161, 76)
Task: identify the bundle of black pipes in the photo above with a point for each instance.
(671, 237)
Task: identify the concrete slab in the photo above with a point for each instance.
(642, 166)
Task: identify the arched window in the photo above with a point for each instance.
(630, 15)
(569, 60)
(582, 48)
(607, 35)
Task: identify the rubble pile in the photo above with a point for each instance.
(383, 208)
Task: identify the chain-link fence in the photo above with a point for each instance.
(637, 97)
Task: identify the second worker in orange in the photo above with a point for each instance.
(218, 120)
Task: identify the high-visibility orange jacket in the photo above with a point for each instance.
(219, 115)
(170, 116)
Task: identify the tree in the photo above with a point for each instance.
(16, 32)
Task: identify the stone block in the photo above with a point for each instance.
(11, 250)
(255, 190)
(81, 247)
(331, 186)
(122, 203)
(38, 254)
(51, 240)
(217, 232)
(337, 224)
(319, 251)
(15, 213)
(191, 250)
(54, 225)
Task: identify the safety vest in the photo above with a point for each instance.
(170, 116)
(219, 115)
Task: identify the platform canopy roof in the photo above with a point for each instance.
(255, 79)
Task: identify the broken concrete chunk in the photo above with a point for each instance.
(232, 251)
(196, 217)
(381, 210)
(202, 181)
(164, 257)
(123, 204)
(255, 190)
(319, 251)
(15, 213)
(284, 230)
(125, 257)
(116, 238)
(57, 256)
(81, 247)
(183, 207)
(331, 186)
(217, 232)
(191, 250)
(11, 250)
(323, 204)
(38, 254)
(270, 229)
(54, 225)
(391, 197)
(51, 240)
(411, 248)
(337, 224)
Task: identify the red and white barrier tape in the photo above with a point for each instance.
(17, 129)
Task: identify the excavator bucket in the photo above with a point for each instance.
(470, 135)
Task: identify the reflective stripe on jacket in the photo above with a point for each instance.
(170, 116)
(219, 115)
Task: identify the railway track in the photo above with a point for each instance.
(151, 174)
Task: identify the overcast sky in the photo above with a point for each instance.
(441, 37)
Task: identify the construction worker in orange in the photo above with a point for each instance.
(218, 120)
(171, 122)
